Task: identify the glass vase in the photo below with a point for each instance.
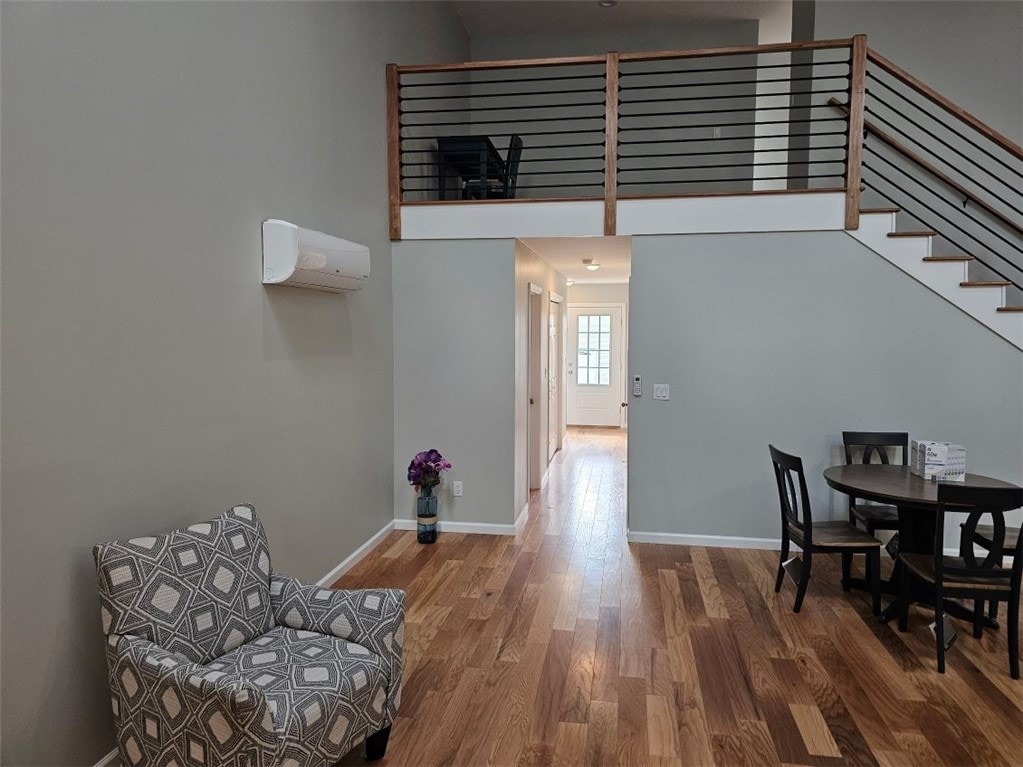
(426, 516)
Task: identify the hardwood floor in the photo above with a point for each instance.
(568, 646)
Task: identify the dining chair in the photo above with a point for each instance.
(505, 183)
(983, 536)
(874, 516)
(965, 576)
(797, 526)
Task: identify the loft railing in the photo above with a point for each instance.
(749, 119)
(829, 115)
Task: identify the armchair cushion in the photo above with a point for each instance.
(325, 694)
(200, 592)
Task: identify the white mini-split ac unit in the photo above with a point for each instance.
(304, 258)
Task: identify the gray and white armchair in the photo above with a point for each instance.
(216, 660)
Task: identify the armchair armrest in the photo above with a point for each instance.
(372, 618)
(146, 679)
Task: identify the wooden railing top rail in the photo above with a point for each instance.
(953, 109)
(468, 66)
(736, 50)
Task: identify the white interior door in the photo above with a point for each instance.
(554, 366)
(595, 362)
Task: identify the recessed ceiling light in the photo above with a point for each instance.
(570, 282)
(589, 264)
(608, 3)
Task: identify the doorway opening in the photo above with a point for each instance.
(577, 345)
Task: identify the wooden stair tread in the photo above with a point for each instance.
(1010, 308)
(880, 210)
(941, 259)
(985, 284)
(921, 233)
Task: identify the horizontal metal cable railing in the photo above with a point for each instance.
(944, 168)
(673, 123)
(736, 122)
(457, 127)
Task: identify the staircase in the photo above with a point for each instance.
(948, 276)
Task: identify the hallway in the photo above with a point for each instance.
(567, 646)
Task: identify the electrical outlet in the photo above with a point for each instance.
(661, 391)
(458, 488)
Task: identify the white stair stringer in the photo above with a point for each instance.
(908, 253)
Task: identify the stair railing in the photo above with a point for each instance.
(944, 167)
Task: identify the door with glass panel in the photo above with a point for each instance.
(595, 372)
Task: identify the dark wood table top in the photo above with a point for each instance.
(895, 484)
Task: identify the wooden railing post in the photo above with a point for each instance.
(854, 144)
(611, 147)
(393, 153)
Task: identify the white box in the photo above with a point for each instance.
(937, 460)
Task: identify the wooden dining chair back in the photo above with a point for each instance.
(970, 576)
(797, 526)
(882, 445)
(796, 516)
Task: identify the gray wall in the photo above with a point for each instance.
(530, 268)
(971, 52)
(788, 339)
(150, 380)
(623, 39)
(454, 374)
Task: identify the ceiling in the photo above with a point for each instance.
(566, 254)
(500, 18)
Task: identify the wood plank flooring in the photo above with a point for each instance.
(568, 646)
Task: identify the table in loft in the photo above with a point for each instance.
(916, 499)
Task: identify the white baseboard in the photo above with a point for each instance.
(481, 528)
(354, 558)
(712, 541)
(521, 519)
(107, 760)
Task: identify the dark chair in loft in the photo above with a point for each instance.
(476, 161)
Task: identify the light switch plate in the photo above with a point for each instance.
(661, 391)
(457, 488)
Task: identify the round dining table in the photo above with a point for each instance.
(916, 499)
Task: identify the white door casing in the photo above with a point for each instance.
(554, 366)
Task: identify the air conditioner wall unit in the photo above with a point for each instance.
(305, 258)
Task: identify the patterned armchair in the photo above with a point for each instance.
(216, 660)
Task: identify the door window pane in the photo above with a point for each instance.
(593, 349)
